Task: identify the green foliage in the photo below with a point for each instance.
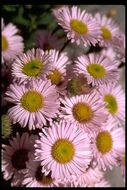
(29, 18)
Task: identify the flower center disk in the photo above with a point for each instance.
(32, 101)
(43, 179)
(78, 26)
(19, 159)
(33, 68)
(96, 70)
(111, 103)
(82, 112)
(104, 142)
(4, 43)
(55, 77)
(63, 151)
(106, 33)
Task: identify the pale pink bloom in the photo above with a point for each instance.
(63, 149)
(58, 71)
(97, 69)
(12, 43)
(108, 144)
(88, 118)
(34, 104)
(79, 25)
(34, 176)
(34, 64)
(46, 40)
(119, 46)
(115, 106)
(109, 53)
(15, 155)
(108, 29)
(101, 183)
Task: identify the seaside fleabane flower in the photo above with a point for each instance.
(34, 64)
(79, 25)
(97, 69)
(11, 43)
(63, 149)
(34, 177)
(34, 104)
(15, 155)
(114, 98)
(108, 144)
(58, 71)
(102, 183)
(86, 111)
(108, 30)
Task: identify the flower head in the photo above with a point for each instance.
(34, 104)
(108, 29)
(97, 69)
(11, 43)
(15, 155)
(66, 150)
(108, 144)
(34, 64)
(34, 176)
(46, 41)
(86, 111)
(114, 97)
(79, 25)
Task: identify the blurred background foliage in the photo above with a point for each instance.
(29, 19)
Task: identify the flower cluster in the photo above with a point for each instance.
(68, 113)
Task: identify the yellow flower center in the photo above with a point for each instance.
(96, 70)
(107, 35)
(111, 103)
(55, 77)
(82, 112)
(79, 27)
(4, 43)
(32, 101)
(63, 151)
(33, 68)
(42, 178)
(104, 142)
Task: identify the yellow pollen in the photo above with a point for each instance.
(79, 27)
(96, 70)
(32, 101)
(55, 77)
(82, 112)
(107, 35)
(111, 103)
(63, 151)
(104, 142)
(4, 43)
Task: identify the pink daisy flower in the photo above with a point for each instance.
(34, 64)
(108, 29)
(108, 144)
(101, 183)
(79, 25)
(34, 176)
(114, 97)
(109, 53)
(35, 103)
(97, 69)
(86, 111)
(46, 41)
(58, 71)
(15, 155)
(12, 43)
(66, 150)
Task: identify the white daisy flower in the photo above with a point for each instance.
(11, 43)
(79, 25)
(64, 150)
(33, 104)
(97, 69)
